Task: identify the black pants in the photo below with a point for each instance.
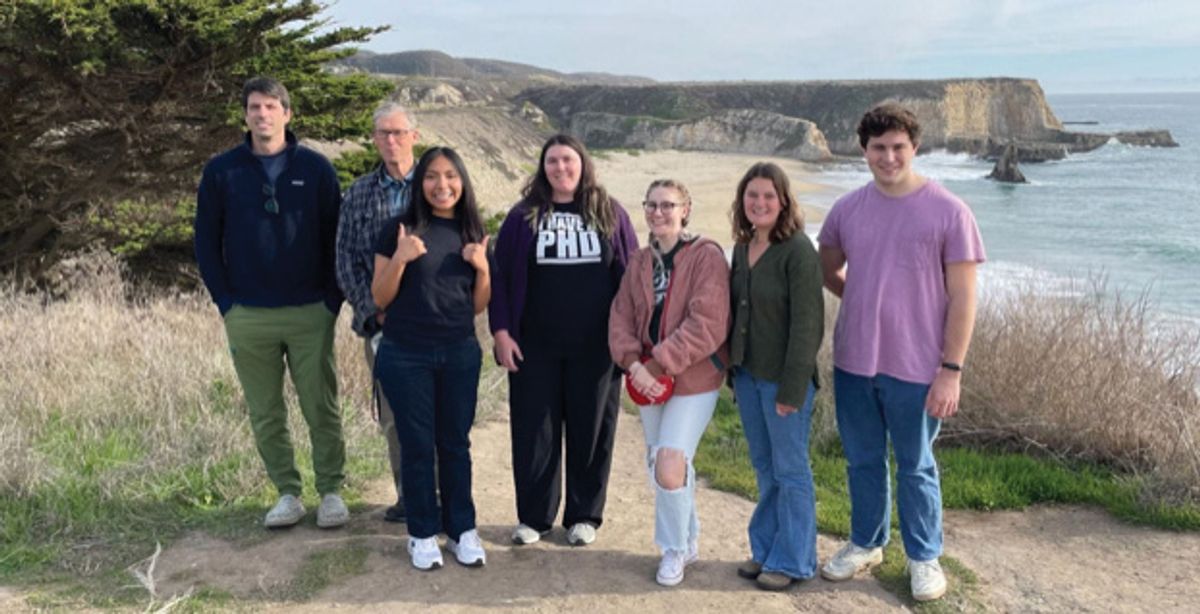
(433, 393)
(552, 393)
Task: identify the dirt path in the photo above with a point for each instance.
(1042, 560)
(614, 574)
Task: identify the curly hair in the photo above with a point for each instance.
(886, 118)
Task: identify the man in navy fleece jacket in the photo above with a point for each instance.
(266, 225)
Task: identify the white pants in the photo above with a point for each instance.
(677, 424)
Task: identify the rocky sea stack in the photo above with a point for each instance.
(1006, 170)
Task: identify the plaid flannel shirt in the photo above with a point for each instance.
(365, 207)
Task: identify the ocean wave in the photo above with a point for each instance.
(1001, 279)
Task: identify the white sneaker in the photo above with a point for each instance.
(425, 553)
(333, 512)
(673, 564)
(468, 549)
(928, 581)
(850, 560)
(523, 535)
(581, 534)
(287, 512)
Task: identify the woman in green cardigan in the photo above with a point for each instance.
(778, 322)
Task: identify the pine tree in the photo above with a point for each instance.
(116, 101)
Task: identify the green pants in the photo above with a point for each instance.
(262, 340)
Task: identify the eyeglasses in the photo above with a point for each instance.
(272, 205)
(393, 134)
(665, 206)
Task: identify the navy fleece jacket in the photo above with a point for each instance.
(250, 256)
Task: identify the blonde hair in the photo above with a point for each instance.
(686, 235)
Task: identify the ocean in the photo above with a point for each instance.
(1128, 214)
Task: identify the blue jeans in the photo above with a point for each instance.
(677, 424)
(432, 393)
(783, 529)
(870, 411)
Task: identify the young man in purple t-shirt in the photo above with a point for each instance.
(901, 253)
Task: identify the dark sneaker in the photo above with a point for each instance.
(749, 569)
(396, 513)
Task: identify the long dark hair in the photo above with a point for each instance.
(790, 220)
(466, 210)
(597, 208)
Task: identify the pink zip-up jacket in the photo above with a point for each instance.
(693, 344)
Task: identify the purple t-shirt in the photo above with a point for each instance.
(893, 313)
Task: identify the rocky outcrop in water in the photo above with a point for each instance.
(1147, 138)
(734, 131)
(1006, 167)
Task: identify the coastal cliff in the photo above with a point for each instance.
(806, 120)
(734, 131)
(952, 112)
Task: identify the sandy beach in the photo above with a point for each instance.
(712, 179)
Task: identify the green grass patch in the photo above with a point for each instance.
(963, 593)
(70, 538)
(325, 568)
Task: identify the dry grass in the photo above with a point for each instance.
(152, 369)
(150, 380)
(1093, 376)
(1081, 374)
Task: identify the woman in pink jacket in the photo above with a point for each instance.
(671, 318)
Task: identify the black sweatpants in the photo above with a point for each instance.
(552, 393)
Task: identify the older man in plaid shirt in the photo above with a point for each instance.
(371, 200)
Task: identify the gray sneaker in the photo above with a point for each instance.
(850, 560)
(581, 534)
(927, 580)
(523, 535)
(287, 512)
(333, 512)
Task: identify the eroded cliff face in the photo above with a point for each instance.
(733, 131)
(964, 114)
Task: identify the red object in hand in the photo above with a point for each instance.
(667, 381)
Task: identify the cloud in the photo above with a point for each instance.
(760, 39)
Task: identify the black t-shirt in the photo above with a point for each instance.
(435, 303)
(570, 283)
(662, 280)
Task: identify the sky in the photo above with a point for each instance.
(1070, 46)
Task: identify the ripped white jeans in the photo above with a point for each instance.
(677, 424)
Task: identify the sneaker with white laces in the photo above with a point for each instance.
(581, 534)
(673, 564)
(468, 549)
(850, 560)
(670, 568)
(425, 553)
(523, 535)
(287, 512)
(333, 512)
(928, 581)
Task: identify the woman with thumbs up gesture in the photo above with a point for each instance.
(432, 276)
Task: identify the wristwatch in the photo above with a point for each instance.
(952, 366)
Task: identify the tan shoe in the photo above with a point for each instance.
(774, 581)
